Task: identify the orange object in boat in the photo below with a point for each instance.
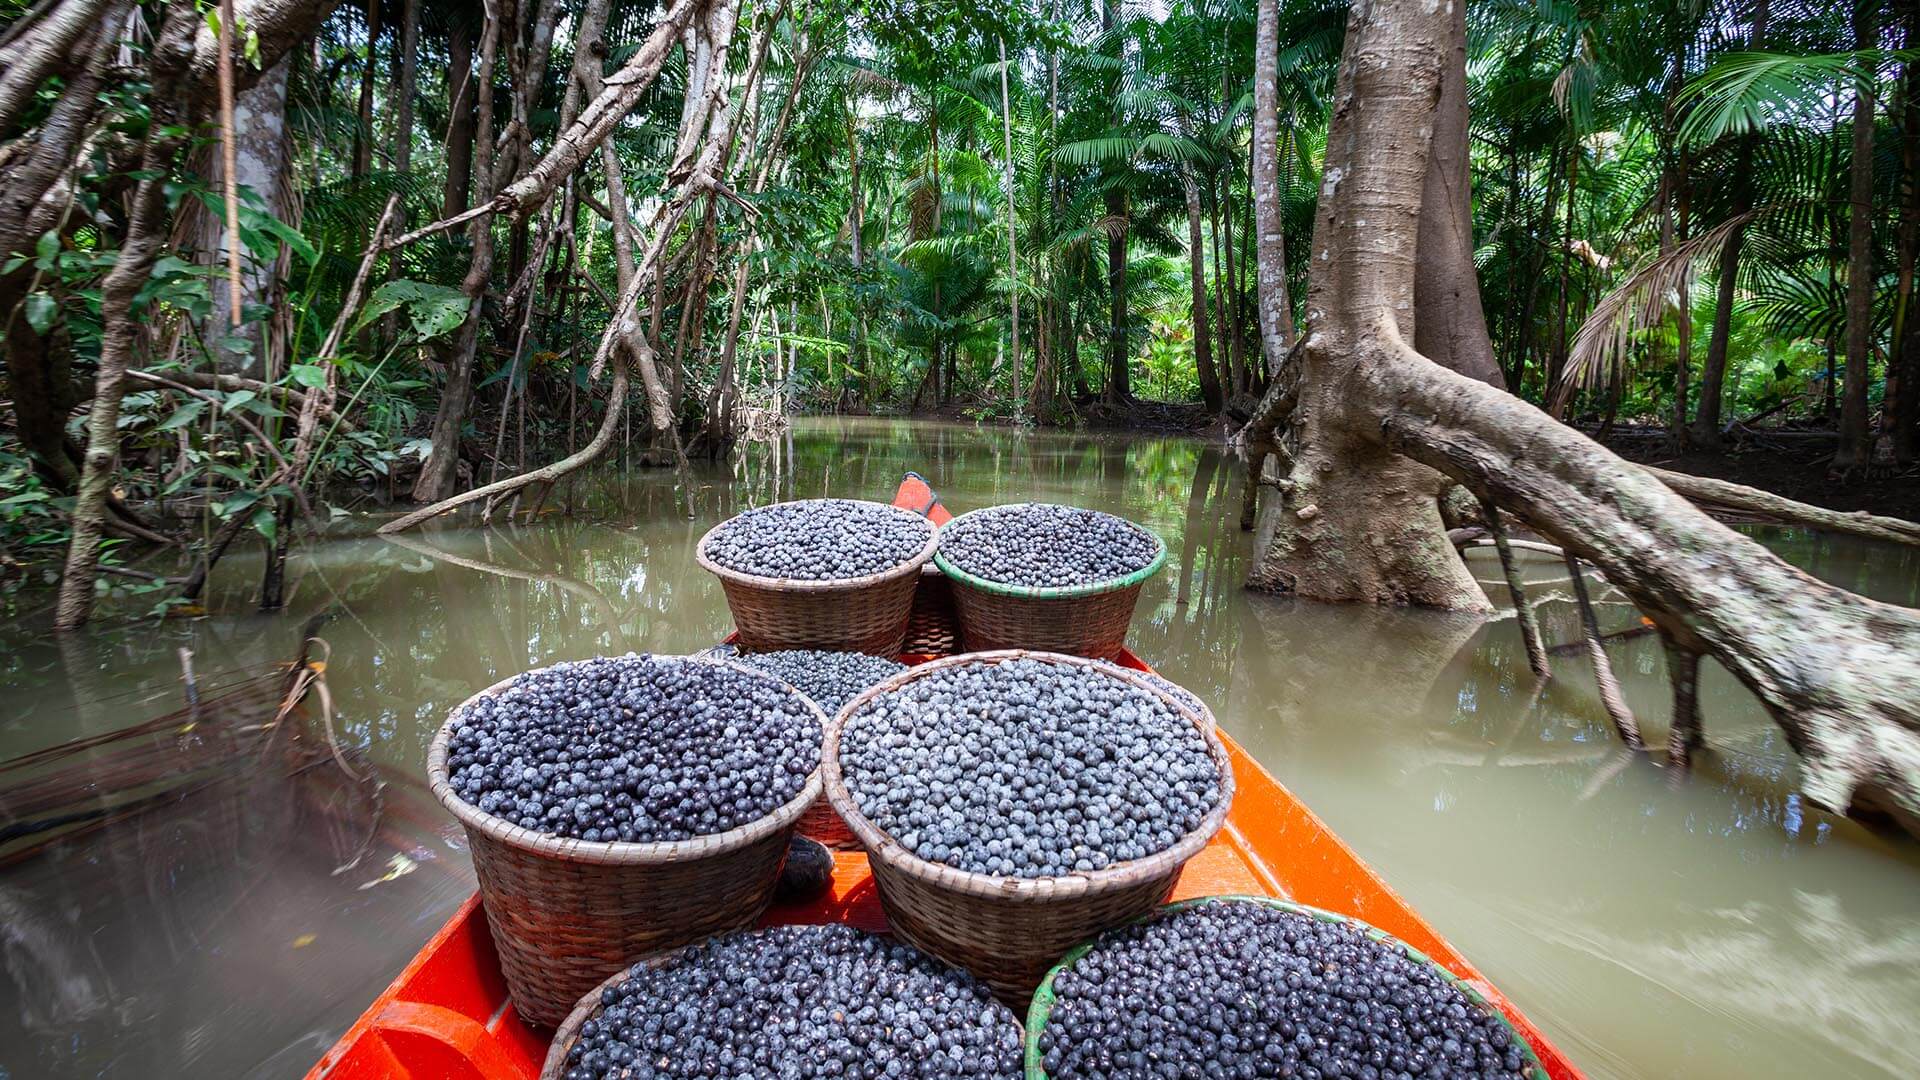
(447, 1017)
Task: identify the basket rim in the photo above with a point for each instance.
(1053, 592)
(616, 852)
(589, 1004)
(808, 585)
(1041, 1008)
(883, 848)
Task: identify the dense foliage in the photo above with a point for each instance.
(905, 222)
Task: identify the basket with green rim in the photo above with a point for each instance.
(1041, 1009)
(1082, 620)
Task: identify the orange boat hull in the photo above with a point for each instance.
(447, 1017)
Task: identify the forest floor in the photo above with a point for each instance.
(1793, 465)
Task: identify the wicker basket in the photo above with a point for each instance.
(1082, 620)
(1043, 998)
(864, 614)
(566, 913)
(583, 1010)
(1008, 931)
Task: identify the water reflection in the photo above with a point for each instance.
(1714, 925)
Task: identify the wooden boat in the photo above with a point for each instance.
(447, 1017)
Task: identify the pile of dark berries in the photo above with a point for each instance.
(819, 539)
(799, 1002)
(831, 679)
(634, 749)
(1254, 991)
(1043, 545)
(1179, 693)
(1026, 768)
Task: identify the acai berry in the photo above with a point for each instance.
(634, 749)
(819, 540)
(831, 679)
(1255, 991)
(798, 1002)
(1046, 545)
(1028, 768)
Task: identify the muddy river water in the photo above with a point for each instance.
(1708, 925)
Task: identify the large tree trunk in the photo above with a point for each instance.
(1275, 307)
(1379, 427)
(1451, 327)
(1856, 434)
(262, 155)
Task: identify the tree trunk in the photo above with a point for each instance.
(362, 158)
(1275, 307)
(1856, 434)
(1451, 326)
(1904, 370)
(1379, 427)
(168, 63)
(262, 156)
(462, 107)
(1705, 432)
(440, 471)
(1119, 377)
(1197, 256)
(1013, 254)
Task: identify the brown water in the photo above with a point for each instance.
(1710, 927)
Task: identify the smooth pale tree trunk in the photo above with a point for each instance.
(1197, 257)
(1275, 307)
(1452, 327)
(1856, 434)
(1379, 429)
(261, 159)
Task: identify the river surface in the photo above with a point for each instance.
(1708, 925)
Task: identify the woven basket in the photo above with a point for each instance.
(1008, 931)
(1082, 620)
(864, 614)
(583, 1010)
(566, 913)
(1043, 998)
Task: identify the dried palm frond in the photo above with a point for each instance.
(1600, 347)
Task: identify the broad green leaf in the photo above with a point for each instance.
(40, 311)
(432, 310)
(311, 376)
(239, 398)
(263, 521)
(182, 416)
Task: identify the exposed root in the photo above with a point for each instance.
(1529, 625)
(1731, 496)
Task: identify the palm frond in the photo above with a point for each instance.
(1600, 347)
(1750, 91)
